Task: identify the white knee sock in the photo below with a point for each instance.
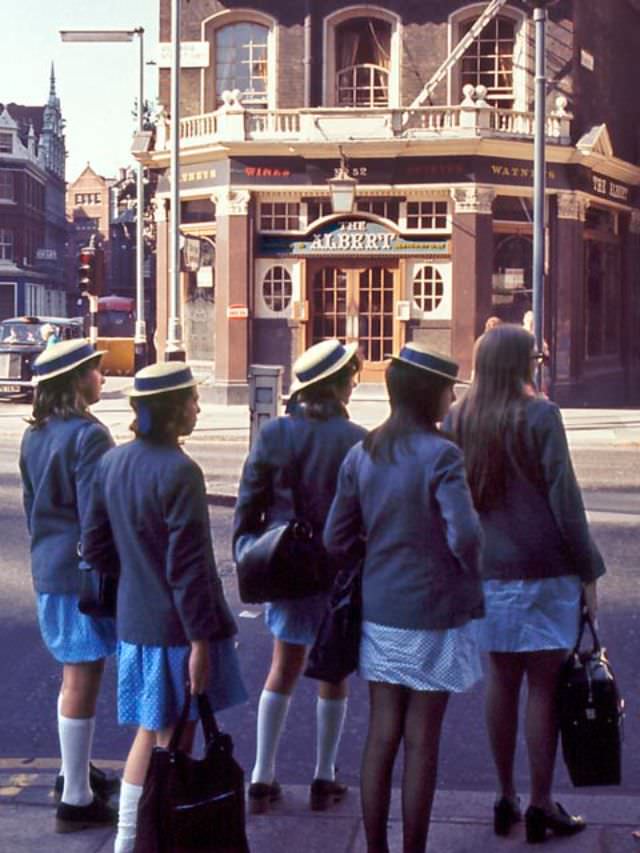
(76, 737)
(272, 712)
(61, 771)
(330, 715)
(127, 817)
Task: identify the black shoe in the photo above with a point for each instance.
(322, 793)
(560, 822)
(101, 784)
(261, 795)
(76, 818)
(506, 812)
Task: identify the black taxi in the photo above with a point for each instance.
(21, 342)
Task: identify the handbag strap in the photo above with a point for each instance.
(205, 712)
(293, 465)
(586, 621)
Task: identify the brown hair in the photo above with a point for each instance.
(59, 397)
(321, 398)
(160, 417)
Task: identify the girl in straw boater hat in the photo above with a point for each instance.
(58, 457)
(149, 500)
(312, 442)
(404, 489)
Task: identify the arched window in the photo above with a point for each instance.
(241, 62)
(276, 289)
(428, 288)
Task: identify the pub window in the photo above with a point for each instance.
(362, 51)
(427, 215)
(602, 298)
(279, 216)
(489, 61)
(6, 143)
(6, 244)
(276, 289)
(428, 288)
(241, 54)
(387, 208)
(317, 208)
(7, 186)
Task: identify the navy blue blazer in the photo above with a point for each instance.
(292, 449)
(149, 501)
(57, 465)
(540, 530)
(423, 537)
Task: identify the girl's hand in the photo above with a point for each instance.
(199, 666)
(591, 599)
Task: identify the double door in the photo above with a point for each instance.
(354, 301)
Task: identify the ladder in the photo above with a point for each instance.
(490, 12)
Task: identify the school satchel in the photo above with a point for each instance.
(191, 805)
(98, 592)
(590, 714)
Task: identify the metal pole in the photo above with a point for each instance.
(539, 168)
(174, 350)
(140, 339)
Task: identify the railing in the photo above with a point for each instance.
(273, 123)
(197, 127)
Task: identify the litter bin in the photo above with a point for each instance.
(265, 393)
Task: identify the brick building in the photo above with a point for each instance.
(440, 233)
(32, 216)
(89, 213)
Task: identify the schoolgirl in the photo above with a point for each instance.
(404, 489)
(149, 501)
(58, 457)
(538, 561)
(312, 441)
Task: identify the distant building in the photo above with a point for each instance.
(89, 212)
(32, 211)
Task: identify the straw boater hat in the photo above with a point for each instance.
(319, 362)
(162, 377)
(433, 362)
(62, 357)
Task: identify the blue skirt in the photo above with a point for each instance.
(71, 636)
(446, 660)
(296, 620)
(151, 682)
(530, 615)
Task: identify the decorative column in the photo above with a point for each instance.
(232, 295)
(161, 219)
(567, 342)
(472, 253)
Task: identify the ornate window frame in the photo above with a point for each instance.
(522, 60)
(239, 16)
(361, 10)
(444, 310)
(262, 266)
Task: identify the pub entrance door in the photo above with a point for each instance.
(354, 300)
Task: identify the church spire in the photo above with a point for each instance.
(52, 83)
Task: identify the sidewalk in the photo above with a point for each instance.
(461, 823)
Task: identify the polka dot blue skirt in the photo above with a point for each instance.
(151, 682)
(71, 636)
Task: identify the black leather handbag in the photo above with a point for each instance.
(286, 559)
(590, 712)
(336, 650)
(98, 592)
(190, 804)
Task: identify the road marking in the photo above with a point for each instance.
(52, 763)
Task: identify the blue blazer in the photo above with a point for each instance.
(57, 465)
(423, 537)
(149, 501)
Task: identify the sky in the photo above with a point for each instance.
(97, 83)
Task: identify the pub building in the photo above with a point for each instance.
(348, 174)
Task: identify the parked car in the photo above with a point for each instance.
(21, 342)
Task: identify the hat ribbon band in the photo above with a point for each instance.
(318, 369)
(55, 364)
(163, 383)
(423, 360)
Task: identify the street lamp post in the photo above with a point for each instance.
(140, 336)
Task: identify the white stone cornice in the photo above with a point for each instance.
(572, 205)
(634, 222)
(473, 198)
(230, 202)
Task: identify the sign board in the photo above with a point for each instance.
(191, 250)
(193, 54)
(46, 255)
(237, 312)
(204, 277)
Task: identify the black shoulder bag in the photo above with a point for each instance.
(590, 712)
(190, 804)
(286, 559)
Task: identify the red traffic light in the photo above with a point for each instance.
(90, 270)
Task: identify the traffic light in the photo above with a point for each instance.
(91, 270)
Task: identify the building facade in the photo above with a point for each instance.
(32, 212)
(89, 213)
(439, 237)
